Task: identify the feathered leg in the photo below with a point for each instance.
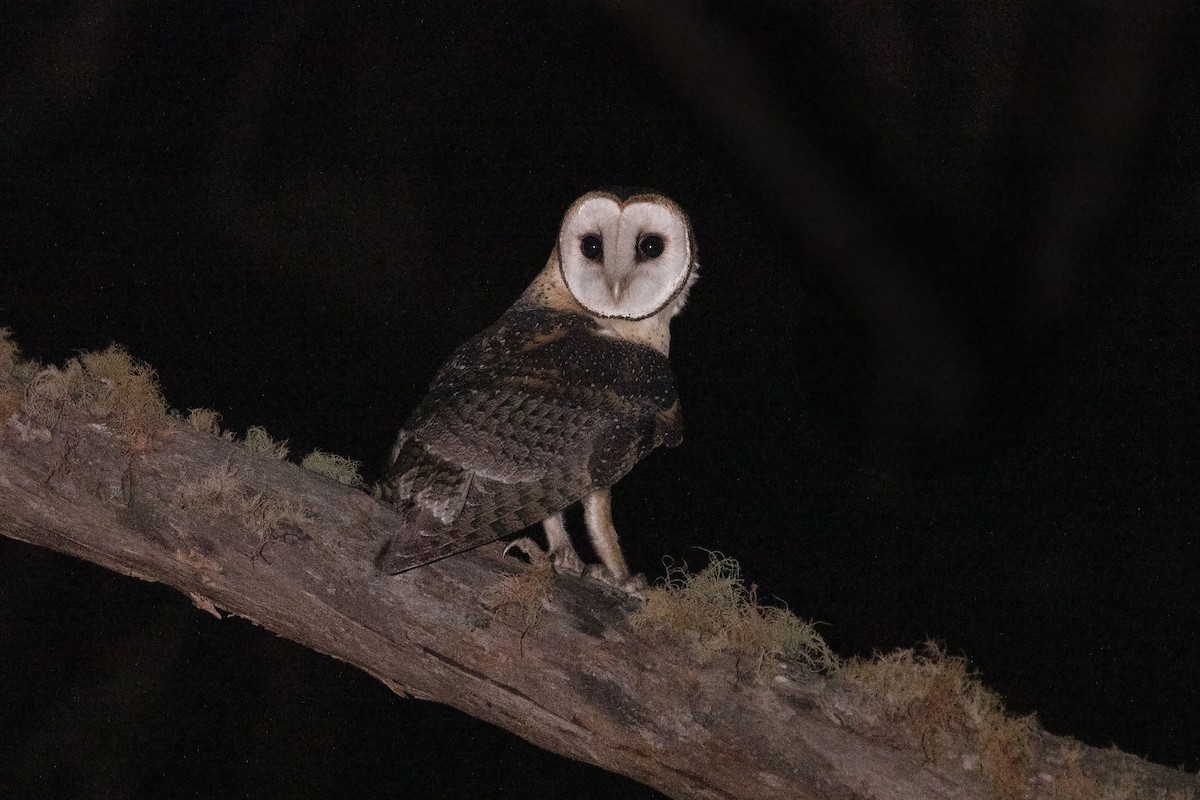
(597, 512)
(559, 547)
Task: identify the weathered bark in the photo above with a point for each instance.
(579, 682)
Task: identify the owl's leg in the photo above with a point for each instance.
(597, 512)
(559, 547)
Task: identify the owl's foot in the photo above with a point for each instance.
(568, 561)
(632, 585)
(563, 560)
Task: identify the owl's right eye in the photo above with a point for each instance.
(591, 247)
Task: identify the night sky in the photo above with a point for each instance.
(939, 374)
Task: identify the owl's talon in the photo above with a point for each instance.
(633, 585)
(532, 551)
(636, 586)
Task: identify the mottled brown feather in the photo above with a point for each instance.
(530, 416)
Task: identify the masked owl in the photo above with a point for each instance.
(557, 400)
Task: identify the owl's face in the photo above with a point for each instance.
(625, 259)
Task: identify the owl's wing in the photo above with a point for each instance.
(528, 418)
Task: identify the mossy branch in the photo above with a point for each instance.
(91, 464)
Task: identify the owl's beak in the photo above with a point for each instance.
(619, 283)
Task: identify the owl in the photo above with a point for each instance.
(557, 400)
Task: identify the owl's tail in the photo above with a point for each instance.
(420, 543)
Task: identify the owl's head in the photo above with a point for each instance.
(627, 256)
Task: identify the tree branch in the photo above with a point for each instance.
(293, 552)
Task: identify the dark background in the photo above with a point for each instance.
(939, 373)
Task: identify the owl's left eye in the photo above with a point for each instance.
(651, 246)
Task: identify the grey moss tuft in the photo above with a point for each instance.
(272, 515)
(716, 605)
(933, 700)
(339, 468)
(523, 594)
(110, 385)
(205, 420)
(259, 443)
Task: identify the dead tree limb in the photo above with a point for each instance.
(293, 552)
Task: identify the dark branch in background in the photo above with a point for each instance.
(1110, 106)
(91, 465)
(940, 104)
(720, 77)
